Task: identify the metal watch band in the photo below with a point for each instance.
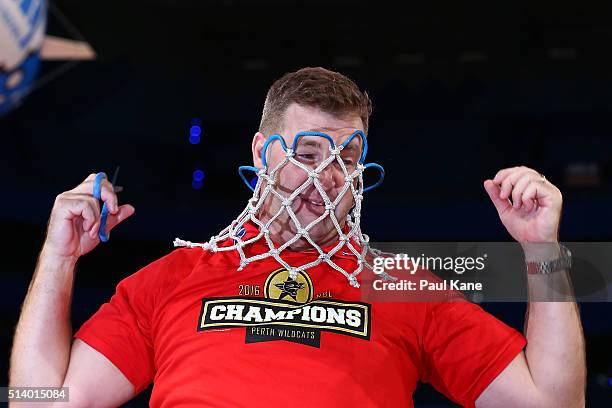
(563, 262)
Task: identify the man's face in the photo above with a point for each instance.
(310, 151)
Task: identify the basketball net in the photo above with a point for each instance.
(266, 187)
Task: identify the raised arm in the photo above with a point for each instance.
(41, 354)
(551, 372)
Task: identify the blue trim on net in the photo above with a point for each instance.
(241, 170)
(296, 139)
(380, 179)
(265, 147)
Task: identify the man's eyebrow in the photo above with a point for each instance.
(313, 143)
(309, 141)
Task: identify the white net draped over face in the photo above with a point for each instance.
(348, 239)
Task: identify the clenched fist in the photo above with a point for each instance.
(528, 205)
(75, 219)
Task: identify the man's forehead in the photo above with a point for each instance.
(298, 118)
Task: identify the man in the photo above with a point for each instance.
(233, 324)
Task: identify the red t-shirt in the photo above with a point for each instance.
(208, 335)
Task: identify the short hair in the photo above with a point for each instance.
(329, 91)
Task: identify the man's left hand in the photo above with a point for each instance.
(535, 210)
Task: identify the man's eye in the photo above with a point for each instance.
(306, 156)
(348, 161)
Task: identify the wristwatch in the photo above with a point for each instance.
(563, 262)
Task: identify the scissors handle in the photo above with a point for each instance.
(97, 193)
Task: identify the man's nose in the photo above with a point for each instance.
(330, 177)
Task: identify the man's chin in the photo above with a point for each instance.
(323, 237)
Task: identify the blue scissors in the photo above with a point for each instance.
(97, 187)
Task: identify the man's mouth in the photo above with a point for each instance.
(314, 202)
(316, 205)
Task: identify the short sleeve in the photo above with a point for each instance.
(465, 348)
(121, 328)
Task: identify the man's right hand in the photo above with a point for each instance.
(75, 219)
(42, 354)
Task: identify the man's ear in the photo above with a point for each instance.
(256, 147)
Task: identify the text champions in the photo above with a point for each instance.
(352, 318)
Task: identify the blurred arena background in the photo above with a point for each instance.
(174, 97)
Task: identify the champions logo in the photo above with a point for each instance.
(336, 316)
(286, 313)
